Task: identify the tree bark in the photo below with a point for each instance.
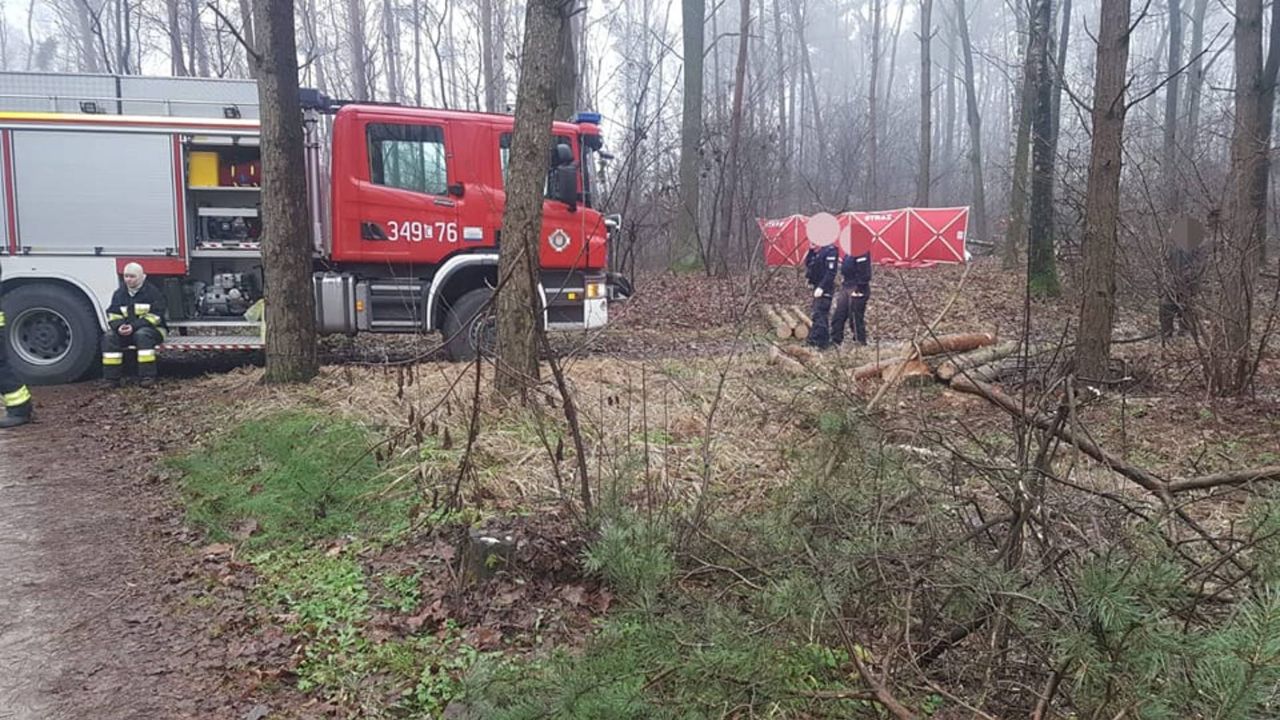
(1266, 120)
(1195, 74)
(177, 62)
(1170, 154)
(486, 57)
(1042, 266)
(686, 240)
(873, 189)
(1236, 257)
(356, 43)
(1102, 196)
(286, 246)
(949, 118)
(567, 76)
(784, 125)
(924, 176)
(517, 298)
(1016, 237)
(1063, 38)
(732, 163)
(975, 127)
(391, 49)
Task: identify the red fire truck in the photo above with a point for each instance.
(405, 206)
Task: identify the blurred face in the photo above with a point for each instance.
(133, 279)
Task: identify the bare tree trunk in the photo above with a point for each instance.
(177, 63)
(949, 119)
(1195, 74)
(84, 26)
(1237, 256)
(417, 52)
(1102, 196)
(979, 225)
(356, 45)
(1063, 38)
(1016, 236)
(486, 56)
(567, 75)
(1170, 154)
(286, 248)
(249, 21)
(1042, 265)
(733, 163)
(873, 117)
(687, 242)
(517, 298)
(1266, 120)
(923, 176)
(198, 51)
(391, 43)
(784, 125)
(807, 65)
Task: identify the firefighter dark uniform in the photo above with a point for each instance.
(820, 270)
(17, 398)
(144, 312)
(851, 304)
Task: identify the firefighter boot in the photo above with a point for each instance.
(146, 367)
(16, 415)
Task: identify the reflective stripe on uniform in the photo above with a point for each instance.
(1, 318)
(112, 317)
(151, 318)
(146, 356)
(124, 310)
(112, 358)
(141, 308)
(21, 396)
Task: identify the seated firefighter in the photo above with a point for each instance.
(136, 318)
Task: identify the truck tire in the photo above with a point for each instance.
(52, 333)
(470, 326)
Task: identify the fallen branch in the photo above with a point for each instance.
(1236, 477)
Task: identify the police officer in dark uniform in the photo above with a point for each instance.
(820, 270)
(17, 398)
(135, 317)
(855, 271)
(1184, 267)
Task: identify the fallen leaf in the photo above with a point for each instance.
(573, 594)
(246, 529)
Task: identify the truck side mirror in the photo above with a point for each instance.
(564, 185)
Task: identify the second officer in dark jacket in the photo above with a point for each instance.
(854, 292)
(820, 270)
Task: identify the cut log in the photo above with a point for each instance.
(874, 368)
(976, 358)
(778, 357)
(781, 327)
(911, 373)
(961, 342)
(803, 317)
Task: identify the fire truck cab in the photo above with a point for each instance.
(405, 211)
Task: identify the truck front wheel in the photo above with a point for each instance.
(470, 326)
(52, 334)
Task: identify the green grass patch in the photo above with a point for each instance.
(292, 477)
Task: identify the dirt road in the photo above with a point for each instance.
(89, 563)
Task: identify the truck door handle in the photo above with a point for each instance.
(442, 202)
(372, 231)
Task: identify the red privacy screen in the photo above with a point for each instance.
(909, 237)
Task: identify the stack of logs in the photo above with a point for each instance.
(787, 322)
(973, 356)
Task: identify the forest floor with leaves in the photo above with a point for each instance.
(760, 543)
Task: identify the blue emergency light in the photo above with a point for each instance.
(587, 117)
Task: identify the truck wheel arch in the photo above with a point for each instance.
(69, 284)
(461, 274)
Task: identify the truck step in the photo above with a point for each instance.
(211, 343)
